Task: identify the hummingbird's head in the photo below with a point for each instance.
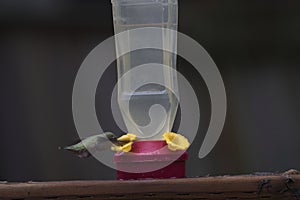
(111, 137)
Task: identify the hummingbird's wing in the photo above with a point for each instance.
(79, 149)
(84, 153)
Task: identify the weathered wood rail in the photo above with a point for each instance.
(258, 186)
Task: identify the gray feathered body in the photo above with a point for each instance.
(98, 142)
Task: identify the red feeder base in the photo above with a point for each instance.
(151, 160)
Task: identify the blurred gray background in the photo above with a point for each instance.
(255, 44)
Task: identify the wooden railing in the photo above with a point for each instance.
(256, 186)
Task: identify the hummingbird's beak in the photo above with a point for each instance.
(116, 142)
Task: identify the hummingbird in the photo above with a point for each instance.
(98, 142)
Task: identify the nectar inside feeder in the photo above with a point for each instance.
(147, 86)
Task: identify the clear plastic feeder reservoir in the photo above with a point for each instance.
(147, 82)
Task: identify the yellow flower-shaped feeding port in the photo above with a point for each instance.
(176, 141)
(124, 148)
(129, 138)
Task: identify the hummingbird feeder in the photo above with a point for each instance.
(148, 110)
